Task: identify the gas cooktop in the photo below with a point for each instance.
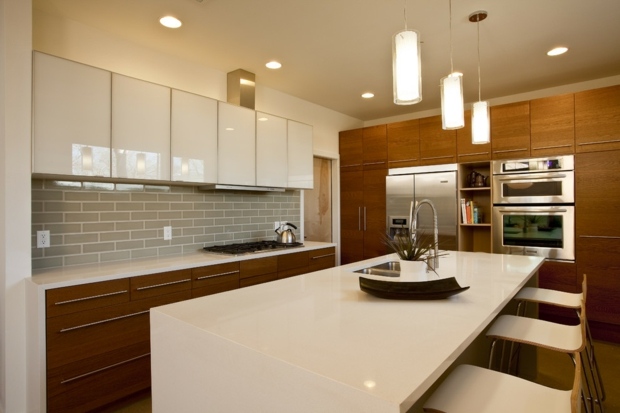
(250, 247)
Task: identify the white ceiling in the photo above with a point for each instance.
(334, 50)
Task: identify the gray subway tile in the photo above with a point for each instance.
(129, 245)
(62, 206)
(170, 250)
(180, 223)
(156, 242)
(116, 196)
(81, 196)
(169, 197)
(193, 214)
(182, 189)
(130, 206)
(114, 256)
(64, 228)
(47, 263)
(143, 253)
(157, 206)
(156, 224)
(203, 206)
(98, 227)
(214, 214)
(143, 197)
(170, 215)
(98, 206)
(81, 259)
(114, 236)
(82, 217)
(181, 240)
(193, 231)
(192, 248)
(62, 250)
(44, 218)
(129, 226)
(207, 222)
(233, 213)
(143, 216)
(115, 216)
(80, 238)
(181, 206)
(36, 207)
(144, 234)
(42, 195)
(193, 198)
(98, 247)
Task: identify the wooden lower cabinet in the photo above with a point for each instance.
(322, 259)
(215, 279)
(258, 271)
(293, 264)
(561, 276)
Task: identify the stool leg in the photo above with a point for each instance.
(596, 373)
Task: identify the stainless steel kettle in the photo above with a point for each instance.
(286, 236)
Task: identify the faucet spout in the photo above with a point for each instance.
(414, 226)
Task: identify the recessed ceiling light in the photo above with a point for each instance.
(368, 95)
(557, 51)
(170, 22)
(274, 65)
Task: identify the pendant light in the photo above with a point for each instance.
(406, 66)
(480, 121)
(452, 107)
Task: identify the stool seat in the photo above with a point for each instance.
(551, 297)
(472, 389)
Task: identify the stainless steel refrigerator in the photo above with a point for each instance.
(437, 183)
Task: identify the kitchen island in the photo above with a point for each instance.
(317, 343)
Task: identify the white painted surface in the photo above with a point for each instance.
(236, 137)
(71, 118)
(271, 150)
(140, 129)
(316, 342)
(300, 170)
(193, 140)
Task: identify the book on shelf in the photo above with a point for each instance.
(469, 211)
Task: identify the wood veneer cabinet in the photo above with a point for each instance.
(560, 276)
(322, 259)
(597, 119)
(215, 279)
(258, 271)
(467, 151)
(403, 144)
(597, 202)
(364, 148)
(552, 122)
(510, 130)
(437, 146)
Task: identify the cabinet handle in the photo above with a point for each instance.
(511, 150)
(552, 147)
(533, 179)
(439, 157)
(364, 218)
(163, 284)
(204, 277)
(359, 218)
(600, 142)
(351, 166)
(374, 163)
(474, 154)
(90, 373)
(92, 297)
(64, 330)
(599, 236)
(404, 160)
(323, 256)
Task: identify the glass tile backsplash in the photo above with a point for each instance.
(94, 222)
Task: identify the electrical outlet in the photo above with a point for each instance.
(276, 224)
(43, 239)
(167, 233)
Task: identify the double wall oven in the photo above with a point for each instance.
(534, 207)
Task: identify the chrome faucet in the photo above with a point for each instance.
(413, 215)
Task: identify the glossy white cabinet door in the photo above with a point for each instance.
(236, 137)
(140, 129)
(300, 154)
(71, 118)
(271, 151)
(193, 135)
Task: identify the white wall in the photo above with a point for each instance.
(15, 92)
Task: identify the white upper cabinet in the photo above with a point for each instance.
(300, 154)
(236, 145)
(193, 138)
(271, 150)
(140, 129)
(71, 118)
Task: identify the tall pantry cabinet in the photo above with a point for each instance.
(363, 168)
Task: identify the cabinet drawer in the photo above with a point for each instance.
(67, 300)
(78, 336)
(260, 266)
(101, 387)
(216, 274)
(295, 260)
(258, 279)
(322, 259)
(158, 284)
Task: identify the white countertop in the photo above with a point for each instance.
(316, 342)
(82, 274)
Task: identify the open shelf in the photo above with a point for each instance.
(475, 237)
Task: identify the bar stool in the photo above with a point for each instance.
(475, 389)
(571, 301)
(557, 337)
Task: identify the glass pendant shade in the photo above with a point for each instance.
(452, 107)
(407, 68)
(480, 123)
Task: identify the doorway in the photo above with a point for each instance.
(318, 203)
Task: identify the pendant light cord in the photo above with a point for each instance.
(450, 9)
(478, 27)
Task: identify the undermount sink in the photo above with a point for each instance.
(386, 269)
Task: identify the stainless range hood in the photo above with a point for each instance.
(241, 188)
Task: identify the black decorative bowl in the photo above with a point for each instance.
(411, 290)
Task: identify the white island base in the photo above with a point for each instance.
(317, 343)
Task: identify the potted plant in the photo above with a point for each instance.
(413, 251)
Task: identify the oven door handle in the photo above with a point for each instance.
(530, 210)
(532, 178)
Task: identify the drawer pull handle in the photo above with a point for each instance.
(599, 236)
(552, 147)
(204, 277)
(474, 154)
(90, 373)
(374, 163)
(64, 330)
(323, 256)
(92, 297)
(600, 142)
(511, 150)
(163, 284)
